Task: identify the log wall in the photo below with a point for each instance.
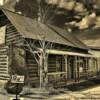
(56, 71)
(32, 69)
(4, 70)
(12, 35)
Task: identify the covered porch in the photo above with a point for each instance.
(61, 68)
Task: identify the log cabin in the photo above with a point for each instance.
(45, 54)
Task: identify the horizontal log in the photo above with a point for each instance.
(3, 66)
(51, 59)
(13, 36)
(3, 53)
(52, 71)
(33, 75)
(51, 68)
(34, 78)
(19, 41)
(3, 72)
(2, 63)
(11, 31)
(32, 71)
(57, 73)
(12, 39)
(67, 53)
(3, 69)
(3, 60)
(4, 75)
(30, 61)
(10, 26)
(3, 56)
(52, 64)
(32, 68)
(3, 78)
(31, 64)
(16, 40)
(3, 49)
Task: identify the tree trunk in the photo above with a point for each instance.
(43, 71)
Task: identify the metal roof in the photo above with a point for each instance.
(90, 37)
(70, 37)
(30, 28)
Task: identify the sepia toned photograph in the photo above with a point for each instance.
(49, 49)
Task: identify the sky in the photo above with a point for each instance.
(78, 17)
(72, 15)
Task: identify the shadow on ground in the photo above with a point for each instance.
(84, 86)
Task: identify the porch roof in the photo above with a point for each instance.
(30, 28)
(69, 36)
(57, 52)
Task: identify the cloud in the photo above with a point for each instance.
(79, 7)
(87, 21)
(69, 5)
(96, 4)
(9, 4)
(54, 2)
(97, 23)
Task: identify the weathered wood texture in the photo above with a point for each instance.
(51, 64)
(56, 70)
(32, 69)
(12, 35)
(4, 63)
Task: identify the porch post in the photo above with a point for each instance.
(96, 63)
(78, 69)
(45, 70)
(66, 67)
(75, 69)
(98, 66)
(41, 70)
(87, 68)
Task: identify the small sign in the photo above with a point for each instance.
(17, 79)
(15, 99)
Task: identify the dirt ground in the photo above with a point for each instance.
(88, 94)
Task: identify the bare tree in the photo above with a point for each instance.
(41, 57)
